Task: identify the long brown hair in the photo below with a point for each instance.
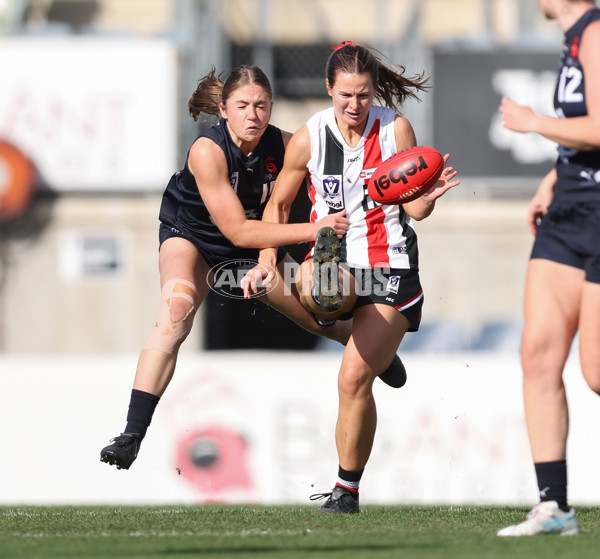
(392, 88)
(212, 90)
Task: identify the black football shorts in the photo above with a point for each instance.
(570, 234)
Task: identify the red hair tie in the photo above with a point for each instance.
(344, 44)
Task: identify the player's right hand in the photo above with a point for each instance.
(337, 221)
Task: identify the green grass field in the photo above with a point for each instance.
(221, 532)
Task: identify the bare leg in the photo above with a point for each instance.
(589, 335)
(178, 259)
(154, 371)
(552, 303)
(183, 288)
(284, 298)
(376, 334)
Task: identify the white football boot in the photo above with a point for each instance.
(545, 518)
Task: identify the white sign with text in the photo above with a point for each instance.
(92, 113)
(258, 427)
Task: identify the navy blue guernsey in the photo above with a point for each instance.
(578, 170)
(251, 177)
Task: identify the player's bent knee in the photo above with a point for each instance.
(354, 381)
(175, 318)
(180, 309)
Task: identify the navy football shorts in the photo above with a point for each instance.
(398, 288)
(570, 234)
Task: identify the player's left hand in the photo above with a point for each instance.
(258, 277)
(446, 181)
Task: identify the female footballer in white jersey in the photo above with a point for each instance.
(340, 147)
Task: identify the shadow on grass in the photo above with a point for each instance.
(275, 549)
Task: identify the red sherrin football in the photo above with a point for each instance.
(406, 175)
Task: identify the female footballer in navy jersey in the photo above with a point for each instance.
(210, 209)
(562, 289)
(338, 146)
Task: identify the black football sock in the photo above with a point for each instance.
(141, 408)
(552, 482)
(349, 480)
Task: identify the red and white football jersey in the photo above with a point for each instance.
(379, 235)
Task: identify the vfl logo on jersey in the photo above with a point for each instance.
(393, 284)
(332, 193)
(331, 185)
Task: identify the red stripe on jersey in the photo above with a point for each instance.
(377, 243)
(312, 195)
(372, 147)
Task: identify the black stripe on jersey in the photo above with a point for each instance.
(412, 248)
(333, 165)
(334, 154)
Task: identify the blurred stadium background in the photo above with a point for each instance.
(93, 122)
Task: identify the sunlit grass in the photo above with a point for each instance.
(281, 532)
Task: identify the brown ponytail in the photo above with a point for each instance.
(207, 96)
(212, 91)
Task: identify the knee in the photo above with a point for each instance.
(180, 310)
(528, 358)
(354, 381)
(532, 357)
(181, 321)
(181, 298)
(176, 316)
(542, 363)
